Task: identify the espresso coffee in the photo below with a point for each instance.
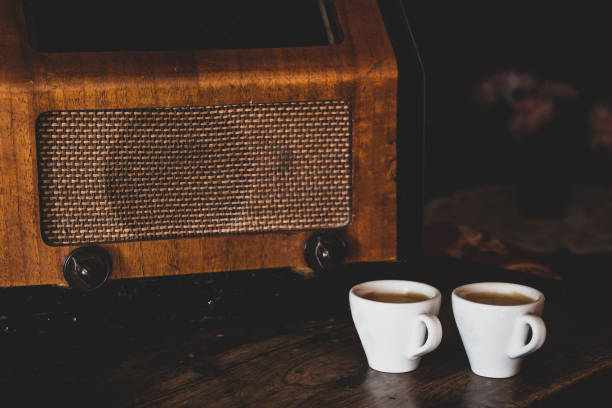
(389, 297)
(498, 299)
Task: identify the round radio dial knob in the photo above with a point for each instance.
(325, 252)
(87, 268)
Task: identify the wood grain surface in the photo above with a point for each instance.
(275, 340)
(360, 70)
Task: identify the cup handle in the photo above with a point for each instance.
(434, 335)
(538, 335)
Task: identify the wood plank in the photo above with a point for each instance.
(243, 339)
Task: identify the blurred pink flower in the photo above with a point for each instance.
(503, 86)
(531, 114)
(531, 102)
(600, 120)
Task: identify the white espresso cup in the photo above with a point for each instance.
(495, 335)
(393, 334)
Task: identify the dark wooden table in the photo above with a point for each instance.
(274, 339)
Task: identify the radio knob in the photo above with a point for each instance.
(87, 268)
(325, 252)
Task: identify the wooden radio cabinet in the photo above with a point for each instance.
(182, 161)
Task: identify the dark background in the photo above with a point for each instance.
(463, 42)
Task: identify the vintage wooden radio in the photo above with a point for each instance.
(130, 144)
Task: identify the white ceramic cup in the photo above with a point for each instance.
(494, 336)
(393, 334)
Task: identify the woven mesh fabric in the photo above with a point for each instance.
(142, 174)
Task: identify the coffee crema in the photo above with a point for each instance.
(498, 299)
(390, 297)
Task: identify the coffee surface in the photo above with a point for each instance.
(389, 297)
(500, 299)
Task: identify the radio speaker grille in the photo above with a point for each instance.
(142, 174)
